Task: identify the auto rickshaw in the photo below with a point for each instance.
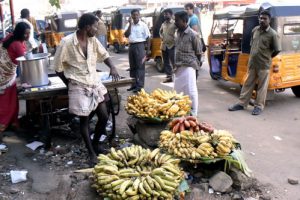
(116, 29)
(229, 44)
(157, 20)
(60, 25)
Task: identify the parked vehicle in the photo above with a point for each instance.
(60, 25)
(229, 44)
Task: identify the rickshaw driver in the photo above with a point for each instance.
(75, 63)
(264, 46)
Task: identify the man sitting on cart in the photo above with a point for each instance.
(75, 63)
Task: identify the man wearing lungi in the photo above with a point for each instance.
(187, 52)
(75, 62)
(138, 34)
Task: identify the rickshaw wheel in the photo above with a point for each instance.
(116, 48)
(296, 90)
(159, 64)
(213, 76)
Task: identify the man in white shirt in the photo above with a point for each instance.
(25, 16)
(138, 34)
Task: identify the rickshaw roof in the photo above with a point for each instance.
(276, 10)
(234, 12)
(279, 9)
(128, 9)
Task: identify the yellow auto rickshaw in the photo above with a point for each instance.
(59, 25)
(116, 28)
(229, 44)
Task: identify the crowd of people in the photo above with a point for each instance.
(78, 54)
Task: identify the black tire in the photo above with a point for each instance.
(296, 90)
(212, 75)
(159, 64)
(116, 48)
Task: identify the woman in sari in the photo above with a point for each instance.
(13, 47)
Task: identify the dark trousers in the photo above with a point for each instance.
(168, 58)
(137, 68)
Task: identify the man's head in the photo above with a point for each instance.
(168, 14)
(88, 22)
(25, 14)
(98, 13)
(189, 8)
(264, 19)
(181, 20)
(135, 15)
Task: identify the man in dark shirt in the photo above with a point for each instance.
(264, 46)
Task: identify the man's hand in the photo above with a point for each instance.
(114, 74)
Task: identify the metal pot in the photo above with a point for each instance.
(34, 69)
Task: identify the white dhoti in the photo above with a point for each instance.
(185, 81)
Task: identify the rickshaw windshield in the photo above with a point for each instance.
(223, 26)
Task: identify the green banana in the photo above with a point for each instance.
(124, 185)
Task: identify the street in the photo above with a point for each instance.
(270, 141)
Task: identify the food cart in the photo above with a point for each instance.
(48, 103)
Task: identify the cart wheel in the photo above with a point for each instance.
(116, 48)
(296, 90)
(159, 64)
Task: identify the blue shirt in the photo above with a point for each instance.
(193, 20)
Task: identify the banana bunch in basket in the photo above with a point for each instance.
(137, 173)
(160, 104)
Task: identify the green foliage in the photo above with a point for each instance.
(55, 3)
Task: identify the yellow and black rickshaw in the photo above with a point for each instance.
(116, 28)
(229, 44)
(59, 25)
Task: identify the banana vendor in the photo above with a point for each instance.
(75, 63)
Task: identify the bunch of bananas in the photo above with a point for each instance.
(137, 173)
(197, 145)
(224, 141)
(159, 104)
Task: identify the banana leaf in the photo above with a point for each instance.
(236, 158)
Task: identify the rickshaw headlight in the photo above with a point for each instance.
(275, 68)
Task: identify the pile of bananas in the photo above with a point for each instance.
(190, 123)
(137, 173)
(197, 145)
(160, 104)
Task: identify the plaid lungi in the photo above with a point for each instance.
(84, 99)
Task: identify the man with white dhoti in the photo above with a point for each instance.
(187, 52)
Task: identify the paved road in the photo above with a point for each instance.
(272, 160)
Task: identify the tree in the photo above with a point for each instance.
(55, 3)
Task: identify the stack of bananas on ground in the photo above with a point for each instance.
(197, 145)
(137, 173)
(160, 104)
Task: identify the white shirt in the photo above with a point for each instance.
(139, 32)
(31, 40)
